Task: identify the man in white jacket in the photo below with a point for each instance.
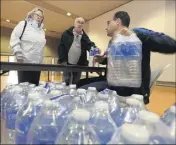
(27, 42)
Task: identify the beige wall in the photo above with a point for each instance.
(156, 15)
(50, 48)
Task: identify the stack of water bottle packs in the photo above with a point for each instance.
(53, 113)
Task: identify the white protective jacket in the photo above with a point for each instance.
(31, 45)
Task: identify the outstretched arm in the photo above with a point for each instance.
(155, 41)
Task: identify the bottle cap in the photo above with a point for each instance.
(81, 91)
(135, 134)
(33, 95)
(59, 87)
(81, 114)
(92, 88)
(139, 97)
(173, 109)
(18, 89)
(132, 101)
(101, 105)
(103, 96)
(73, 86)
(55, 93)
(148, 117)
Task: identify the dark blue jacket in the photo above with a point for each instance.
(66, 42)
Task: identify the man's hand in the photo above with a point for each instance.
(19, 57)
(20, 60)
(126, 32)
(97, 59)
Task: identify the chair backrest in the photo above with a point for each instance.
(155, 74)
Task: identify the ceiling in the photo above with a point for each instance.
(55, 12)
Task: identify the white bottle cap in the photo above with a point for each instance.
(33, 95)
(81, 91)
(64, 84)
(132, 101)
(92, 88)
(59, 87)
(173, 109)
(73, 86)
(114, 93)
(139, 97)
(81, 114)
(55, 92)
(24, 83)
(101, 105)
(32, 85)
(51, 104)
(135, 134)
(18, 89)
(148, 117)
(103, 96)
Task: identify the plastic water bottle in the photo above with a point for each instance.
(102, 122)
(131, 134)
(140, 98)
(128, 113)
(47, 124)
(112, 99)
(72, 90)
(5, 96)
(26, 115)
(169, 116)
(91, 95)
(93, 51)
(156, 129)
(78, 130)
(60, 87)
(124, 61)
(114, 105)
(82, 95)
(12, 107)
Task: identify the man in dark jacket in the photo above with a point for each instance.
(151, 41)
(73, 48)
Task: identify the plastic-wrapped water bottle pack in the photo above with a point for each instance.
(53, 113)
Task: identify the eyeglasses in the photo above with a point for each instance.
(41, 17)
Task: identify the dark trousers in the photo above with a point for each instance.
(32, 77)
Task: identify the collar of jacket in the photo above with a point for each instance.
(70, 30)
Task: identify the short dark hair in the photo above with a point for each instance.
(124, 17)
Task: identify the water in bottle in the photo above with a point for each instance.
(26, 115)
(131, 134)
(128, 113)
(47, 124)
(12, 107)
(112, 99)
(102, 122)
(77, 130)
(5, 96)
(124, 61)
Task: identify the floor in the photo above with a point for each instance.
(161, 97)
